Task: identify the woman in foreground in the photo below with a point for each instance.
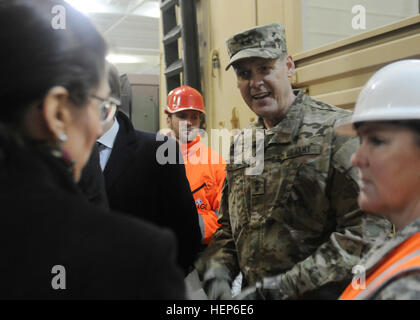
(387, 120)
(54, 100)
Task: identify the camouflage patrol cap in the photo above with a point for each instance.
(268, 41)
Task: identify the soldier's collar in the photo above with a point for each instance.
(286, 130)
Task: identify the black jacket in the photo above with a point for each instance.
(92, 182)
(137, 184)
(47, 222)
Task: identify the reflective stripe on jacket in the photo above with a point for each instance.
(403, 260)
(205, 171)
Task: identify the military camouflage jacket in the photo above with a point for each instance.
(405, 287)
(299, 217)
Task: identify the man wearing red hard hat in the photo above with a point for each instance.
(204, 167)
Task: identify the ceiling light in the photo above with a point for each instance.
(86, 7)
(149, 9)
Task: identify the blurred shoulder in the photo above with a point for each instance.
(403, 288)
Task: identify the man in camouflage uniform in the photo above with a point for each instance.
(298, 219)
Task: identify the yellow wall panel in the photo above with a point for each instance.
(270, 12)
(225, 19)
(335, 73)
(407, 47)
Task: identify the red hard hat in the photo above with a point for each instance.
(184, 98)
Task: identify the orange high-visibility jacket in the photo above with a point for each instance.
(402, 260)
(205, 171)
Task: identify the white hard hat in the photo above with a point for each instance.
(392, 93)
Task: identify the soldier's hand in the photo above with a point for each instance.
(218, 289)
(268, 289)
(250, 293)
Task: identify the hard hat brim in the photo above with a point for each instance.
(345, 126)
(168, 111)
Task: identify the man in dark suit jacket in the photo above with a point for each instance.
(92, 182)
(137, 184)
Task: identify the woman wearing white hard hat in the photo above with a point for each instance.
(387, 120)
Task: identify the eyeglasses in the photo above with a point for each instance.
(107, 108)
